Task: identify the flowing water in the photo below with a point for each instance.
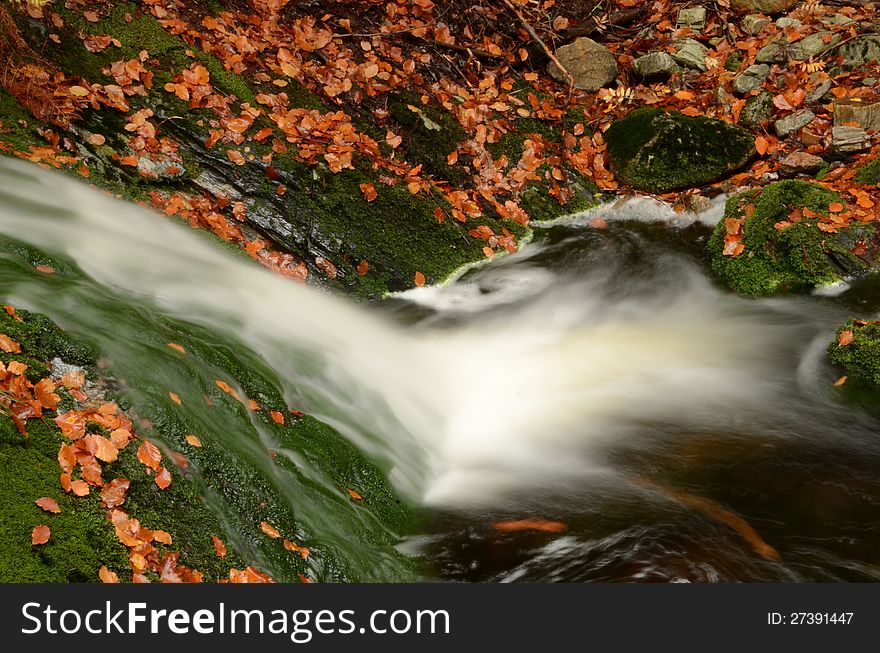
(597, 378)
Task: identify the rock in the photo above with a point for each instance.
(163, 168)
(591, 64)
(754, 23)
(836, 19)
(793, 122)
(761, 6)
(860, 359)
(690, 54)
(752, 78)
(657, 65)
(849, 140)
(692, 17)
(757, 109)
(655, 150)
(785, 22)
(699, 203)
(819, 92)
(797, 256)
(813, 45)
(866, 114)
(800, 163)
(861, 51)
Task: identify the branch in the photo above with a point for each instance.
(537, 39)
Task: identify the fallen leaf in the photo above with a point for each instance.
(419, 279)
(543, 525)
(269, 530)
(277, 417)
(193, 440)
(162, 478)
(844, 338)
(174, 397)
(48, 504)
(40, 535)
(107, 576)
(291, 546)
(149, 454)
(176, 347)
(219, 546)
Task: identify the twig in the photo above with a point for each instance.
(539, 41)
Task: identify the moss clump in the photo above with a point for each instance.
(869, 173)
(540, 205)
(41, 340)
(797, 257)
(659, 151)
(861, 358)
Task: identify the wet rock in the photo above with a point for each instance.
(793, 122)
(699, 204)
(800, 163)
(161, 168)
(690, 54)
(866, 114)
(849, 140)
(762, 6)
(658, 151)
(751, 79)
(757, 109)
(591, 64)
(859, 359)
(654, 66)
(692, 17)
(754, 23)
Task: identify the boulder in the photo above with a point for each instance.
(856, 351)
(591, 64)
(762, 6)
(800, 163)
(655, 150)
(751, 79)
(849, 140)
(692, 17)
(769, 251)
(794, 122)
(690, 54)
(655, 66)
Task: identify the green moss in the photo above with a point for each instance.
(659, 151)
(861, 358)
(41, 340)
(540, 205)
(794, 258)
(869, 173)
(81, 537)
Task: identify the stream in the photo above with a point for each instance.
(597, 379)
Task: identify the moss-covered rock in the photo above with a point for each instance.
(659, 151)
(869, 173)
(796, 257)
(859, 357)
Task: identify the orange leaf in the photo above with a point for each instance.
(761, 145)
(48, 504)
(362, 268)
(40, 535)
(163, 478)
(193, 440)
(836, 207)
(277, 417)
(544, 525)
(9, 345)
(844, 338)
(101, 448)
(174, 397)
(840, 381)
(269, 530)
(290, 546)
(149, 454)
(107, 576)
(219, 546)
(79, 488)
(355, 495)
(44, 391)
(419, 279)
(176, 347)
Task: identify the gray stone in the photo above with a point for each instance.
(812, 46)
(657, 65)
(692, 17)
(849, 140)
(837, 19)
(751, 79)
(762, 6)
(866, 114)
(861, 51)
(869, 81)
(757, 109)
(800, 163)
(591, 64)
(785, 22)
(819, 92)
(754, 23)
(773, 52)
(794, 122)
(691, 54)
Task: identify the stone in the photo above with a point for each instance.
(751, 79)
(699, 204)
(861, 51)
(757, 109)
(591, 64)
(813, 46)
(657, 65)
(773, 52)
(819, 92)
(692, 17)
(800, 163)
(837, 19)
(690, 54)
(793, 122)
(866, 114)
(659, 151)
(762, 6)
(754, 23)
(786, 22)
(849, 140)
